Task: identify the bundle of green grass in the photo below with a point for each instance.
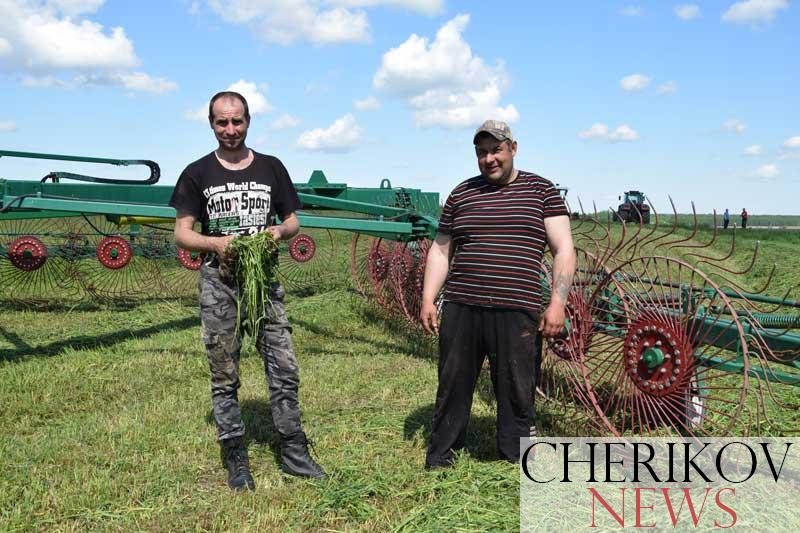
(254, 262)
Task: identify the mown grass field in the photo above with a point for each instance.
(108, 424)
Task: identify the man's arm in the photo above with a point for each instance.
(559, 236)
(186, 237)
(436, 268)
(286, 229)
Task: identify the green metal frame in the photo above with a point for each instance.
(393, 213)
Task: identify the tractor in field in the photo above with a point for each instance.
(633, 209)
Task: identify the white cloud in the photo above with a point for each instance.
(285, 122)
(426, 7)
(8, 125)
(367, 104)
(5, 47)
(443, 82)
(754, 11)
(734, 125)
(134, 81)
(601, 132)
(287, 21)
(687, 11)
(41, 82)
(792, 142)
(623, 133)
(251, 91)
(597, 131)
(634, 82)
(767, 171)
(76, 7)
(460, 110)
(669, 87)
(752, 150)
(46, 39)
(256, 100)
(139, 81)
(341, 136)
(194, 8)
(632, 11)
(199, 114)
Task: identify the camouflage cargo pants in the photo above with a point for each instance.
(218, 316)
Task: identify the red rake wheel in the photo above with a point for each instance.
(114, 252)
(310, 259)
(579, 328)
(136, 274)
(190, 260)
(175, 278)
(302, 248)
(407, 271)
(660, 362)
(35, 266)
(378, 270)
(360, 248)
(560, 382)
(27, 253)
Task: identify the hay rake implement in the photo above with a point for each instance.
(81, 236)
(664, 334)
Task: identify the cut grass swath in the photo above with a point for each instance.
(255, 261)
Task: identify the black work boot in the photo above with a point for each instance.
(295, 459)
(234, 456)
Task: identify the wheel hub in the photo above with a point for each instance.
(27, 253)
(189, 260)
(114, 252)
(377, 264)
(302, 248)
(657, 357)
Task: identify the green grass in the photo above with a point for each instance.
(108, 423)
(706, 220)
(108, 427)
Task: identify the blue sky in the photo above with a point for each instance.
(699, 101)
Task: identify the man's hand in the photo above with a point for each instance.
(552, 320)
(429, 316)
(276, 232)
(221, 245)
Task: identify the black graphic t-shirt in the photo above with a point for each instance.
(241, 202)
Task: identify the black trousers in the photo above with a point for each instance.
(466, 336)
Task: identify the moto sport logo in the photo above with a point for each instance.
(661, 483)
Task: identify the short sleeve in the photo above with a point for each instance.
(446, 218)
(186, 197)
(285, 198)
(553, 203)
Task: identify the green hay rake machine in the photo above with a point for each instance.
(84, 236)
(663, 335)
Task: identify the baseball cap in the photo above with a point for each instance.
(497, 129)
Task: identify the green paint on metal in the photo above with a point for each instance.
(317, 178)
(770, 374)
(310, 200)
(653, 357)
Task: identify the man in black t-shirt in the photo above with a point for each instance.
(235, 191)
(488, 257)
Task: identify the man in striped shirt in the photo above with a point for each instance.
(488, 256)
